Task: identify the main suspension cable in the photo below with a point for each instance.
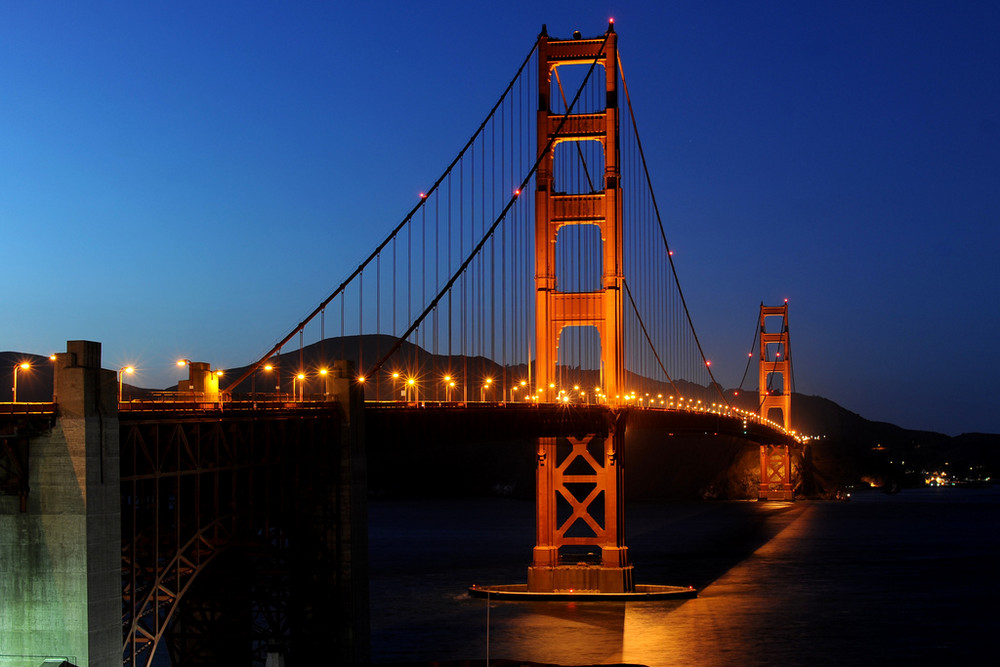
(489, 233)
(392, 235)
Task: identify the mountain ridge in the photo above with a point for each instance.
(848, 447)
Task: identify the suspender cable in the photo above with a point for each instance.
(253, 367)
(753, 347)
(489, 233)
(663, 234)
(646, 334)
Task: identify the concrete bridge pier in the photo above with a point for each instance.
(60, 559)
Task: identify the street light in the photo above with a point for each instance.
(395, 387)
(300, 377)
(253, 382)
(523, 385)
(323, 373)
(448, 384)
(411, 383)
(487, 384)
(20, 367)
(121, 371)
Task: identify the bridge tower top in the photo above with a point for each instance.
(601, 206)
(775, 344)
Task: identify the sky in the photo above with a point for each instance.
(189, 179)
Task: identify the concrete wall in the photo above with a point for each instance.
(60, 561)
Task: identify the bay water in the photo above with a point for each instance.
(911, 578)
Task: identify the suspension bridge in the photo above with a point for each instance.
(529, 294)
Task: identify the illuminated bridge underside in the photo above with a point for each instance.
(491, 423)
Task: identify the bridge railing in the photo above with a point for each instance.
(222, 406)
(21, 408)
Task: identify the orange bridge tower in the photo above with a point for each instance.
(775, 461)
(594, 459)
(603, 308)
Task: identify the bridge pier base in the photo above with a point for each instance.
(60, 558)
(775, 473)
(579, 506)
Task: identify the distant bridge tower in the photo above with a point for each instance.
(775, 461)
(602, 309)
(780, 365)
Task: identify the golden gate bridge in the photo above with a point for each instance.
(570, 294)
(530, 292)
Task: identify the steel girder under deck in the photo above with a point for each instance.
(226, 519)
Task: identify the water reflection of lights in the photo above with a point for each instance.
(561, 632)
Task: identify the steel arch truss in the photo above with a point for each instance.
(252, 492)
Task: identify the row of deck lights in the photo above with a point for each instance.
(410, 383)
(564, 396)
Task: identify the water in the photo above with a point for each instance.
(910, 578)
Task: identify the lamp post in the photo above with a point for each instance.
(411, 383)
(448, 384)
(487, 384)
(397, 392)
(19, 367)
(121, 372)
(300, 377)
(218, 393)
(253, 381)
(323, 373)
(520, 386)
(184, 362)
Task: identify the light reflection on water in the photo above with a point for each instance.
(879, 579)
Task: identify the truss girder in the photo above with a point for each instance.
(197, 488)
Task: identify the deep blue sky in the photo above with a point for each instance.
(189, 179)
